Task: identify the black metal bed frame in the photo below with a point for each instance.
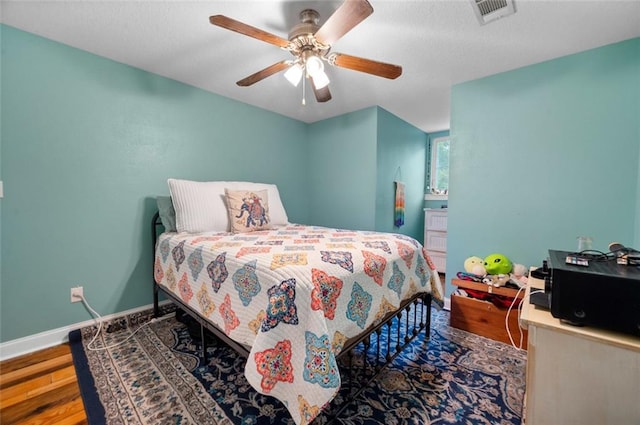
(388, 337)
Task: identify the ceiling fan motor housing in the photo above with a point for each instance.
(302, 37)
(308, 26)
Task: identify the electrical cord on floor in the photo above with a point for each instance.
(99, 321)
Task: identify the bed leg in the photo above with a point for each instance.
(398, 339)
(352, 373)
(418, 311)
(156, 309)
(203, 338)
(427, 332)
(407, 334)
(378, 365)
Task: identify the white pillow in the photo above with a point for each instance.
(200, 206)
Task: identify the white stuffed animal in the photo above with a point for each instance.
(519, 275)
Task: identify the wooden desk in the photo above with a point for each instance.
(578, 375)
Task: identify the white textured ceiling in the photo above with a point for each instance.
(438, 44)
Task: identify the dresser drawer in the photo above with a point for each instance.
(435, 219)
(436, 241)
(486, 319)
(439, 260)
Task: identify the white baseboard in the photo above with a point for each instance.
(447, 304)
(46, 339)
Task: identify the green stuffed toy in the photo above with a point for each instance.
(496, 264)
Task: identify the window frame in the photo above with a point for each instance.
(433, 170)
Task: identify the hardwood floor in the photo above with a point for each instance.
(41, 388)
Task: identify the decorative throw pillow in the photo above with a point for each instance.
(248, 210)
(167, 213)
(277, 213)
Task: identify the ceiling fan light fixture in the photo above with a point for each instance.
(294, 74)
(314, 65)
(320, 80)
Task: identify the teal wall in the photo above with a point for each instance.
(401, 150)
(545, 153)
(352, 165)
(342, 171)
(87, 143)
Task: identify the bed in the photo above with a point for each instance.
(290, 298)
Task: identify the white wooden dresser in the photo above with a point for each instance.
(435, 236)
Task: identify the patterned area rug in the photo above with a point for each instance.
(154, 376)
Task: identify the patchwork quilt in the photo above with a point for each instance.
(295, 295)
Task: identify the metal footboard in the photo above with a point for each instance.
(362, 360)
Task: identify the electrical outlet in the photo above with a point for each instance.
(76, 294)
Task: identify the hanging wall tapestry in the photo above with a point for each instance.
(399, 206)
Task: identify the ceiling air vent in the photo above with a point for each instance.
(490, 10)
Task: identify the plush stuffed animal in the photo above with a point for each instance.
(475, 266)
(496, 280)
(519, 275)
(497, 264)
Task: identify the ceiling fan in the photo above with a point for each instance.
(310, 45)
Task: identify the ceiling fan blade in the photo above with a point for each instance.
(323, 94)
(348, 15)
(369, 66)
(260, 75)
(242, 28)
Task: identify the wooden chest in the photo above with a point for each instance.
(485, 318)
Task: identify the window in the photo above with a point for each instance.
(439, 172)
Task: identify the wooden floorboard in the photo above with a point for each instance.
(41, 388)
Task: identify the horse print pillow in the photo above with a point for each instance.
(248, 210)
